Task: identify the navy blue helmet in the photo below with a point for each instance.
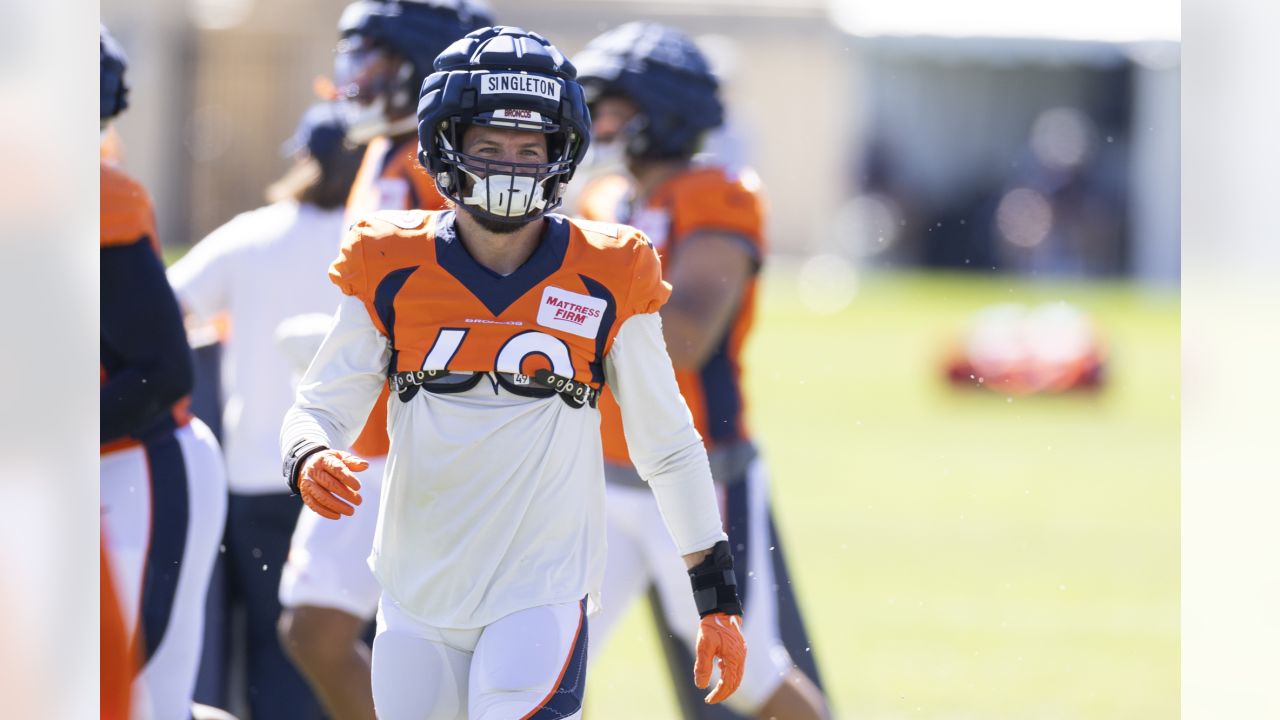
(112, 91)
(386, 49)
(321, 133)
(502, 77)
(662, 71)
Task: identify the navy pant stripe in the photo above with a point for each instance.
(738, 513)
(790, 622)
(566, 699)
(170, 507)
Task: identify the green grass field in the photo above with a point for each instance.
(961, 555)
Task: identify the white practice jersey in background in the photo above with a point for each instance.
(260, 268)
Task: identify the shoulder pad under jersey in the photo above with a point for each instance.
(592, 227)
(374, 241)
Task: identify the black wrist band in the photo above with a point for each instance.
(300, 451)
(715, 587)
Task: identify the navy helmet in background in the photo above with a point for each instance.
(112, 90)
(503, 77)
(321, 133)
(663, 72)
(386, 49)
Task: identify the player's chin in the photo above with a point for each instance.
(499, 226)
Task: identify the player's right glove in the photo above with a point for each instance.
(715, 591)
(324, 479)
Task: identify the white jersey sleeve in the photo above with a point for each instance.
(339, 388)
(202, 278)
(664, 446)
(299, 337)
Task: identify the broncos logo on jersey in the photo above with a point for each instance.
(542, 330)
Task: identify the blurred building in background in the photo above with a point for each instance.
(1000, 136)
(985, 136)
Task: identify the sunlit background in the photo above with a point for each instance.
(966, 370)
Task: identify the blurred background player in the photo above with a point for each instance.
(162, 480)
(490, 538)
(260, 269)
(385, 51)
(653, 94)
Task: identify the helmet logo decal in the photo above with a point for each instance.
(520, 84)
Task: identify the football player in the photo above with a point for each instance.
(163, 487)
(653, 94)
(257, 270)
(497, 324)
(329, 594)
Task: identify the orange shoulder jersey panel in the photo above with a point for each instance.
(711, 199)
(703, 200)
(443, 311)
(390, 178)
(126, 214)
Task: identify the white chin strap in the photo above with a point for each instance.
(506, 195)
(366, 122)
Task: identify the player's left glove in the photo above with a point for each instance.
(720, 636)
(324, 479)
(715, 591)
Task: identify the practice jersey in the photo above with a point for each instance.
(390, 178)
(493, 495)
(703, 199)
(127, 220)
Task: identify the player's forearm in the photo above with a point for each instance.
(339, 388)
(134, 399)
(690, 337)
(304, 425)
(692, 559)
(687, 499)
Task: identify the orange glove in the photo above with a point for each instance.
(720, 636)
(326, 480)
